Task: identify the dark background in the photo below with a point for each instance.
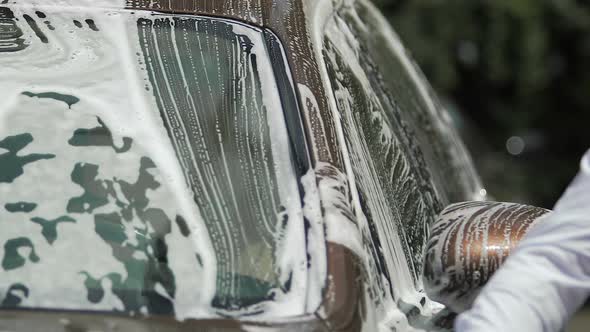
(516, 76)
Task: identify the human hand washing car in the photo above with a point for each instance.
(546, 279)
(507, 267)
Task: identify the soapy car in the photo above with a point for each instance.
(257, 165)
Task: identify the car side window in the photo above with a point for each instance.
(157, 178)
(396, 193)
(383, 57)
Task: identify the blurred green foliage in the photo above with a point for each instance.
(514, 68)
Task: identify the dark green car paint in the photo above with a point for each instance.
(11, 164)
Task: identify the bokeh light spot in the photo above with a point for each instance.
(515, 145)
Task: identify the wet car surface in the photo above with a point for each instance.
(255, 164)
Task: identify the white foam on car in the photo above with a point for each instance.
(105, 71)
(101, 70)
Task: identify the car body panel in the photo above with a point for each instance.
(58, 321)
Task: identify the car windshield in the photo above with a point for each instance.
(145, 166)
